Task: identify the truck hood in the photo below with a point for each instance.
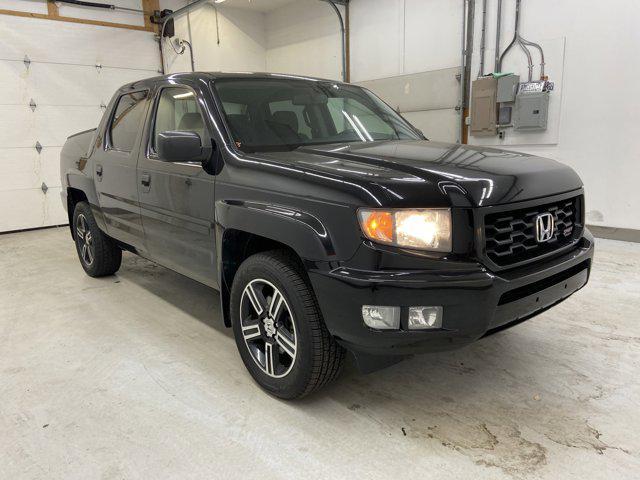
(411, 173)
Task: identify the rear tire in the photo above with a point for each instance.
(99, 255)
(303, 354)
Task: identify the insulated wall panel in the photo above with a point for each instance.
(438, 125)
(416, 92)
(426, 99)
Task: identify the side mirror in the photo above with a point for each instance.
(180, 146)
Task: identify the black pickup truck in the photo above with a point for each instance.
(325, 220)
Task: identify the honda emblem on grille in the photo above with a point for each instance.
(545, 226)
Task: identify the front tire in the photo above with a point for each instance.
(278, 327)
(99, 255)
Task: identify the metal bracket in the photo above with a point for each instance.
(27, 62)
(33, 105)
(38, 147)
(44, 188)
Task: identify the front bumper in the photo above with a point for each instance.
(475, 301)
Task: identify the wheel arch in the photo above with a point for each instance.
(237, 246)
(247, 228)
(74, 196)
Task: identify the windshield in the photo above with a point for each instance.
(276, 114)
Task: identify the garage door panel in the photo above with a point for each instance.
(50, 166)
(77, 43)
(52, 84)
(54, 212)
(111, 79)
(81, 85)
(20, 169)
(31, 208)
(21, 209)
(17, 123)
(49, 125)
(13, 77)
(54, 124)
(68, 89)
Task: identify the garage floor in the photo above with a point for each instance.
(134, 376)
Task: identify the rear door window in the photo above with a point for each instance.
(127, 121)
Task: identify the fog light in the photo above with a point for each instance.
(381, 318)
(425, 317)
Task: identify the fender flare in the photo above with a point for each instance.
(79, 181)
(300, 231)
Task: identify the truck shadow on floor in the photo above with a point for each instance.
(191, 297)
(502, 401)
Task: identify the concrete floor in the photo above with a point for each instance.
(134, 376)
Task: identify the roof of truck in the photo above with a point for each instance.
(217, 75)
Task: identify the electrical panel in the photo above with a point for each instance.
(501, 101)
(484, 92)
(507, 88)
(531, 111)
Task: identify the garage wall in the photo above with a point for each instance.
(241, 46)
(74, 69)
(395, 37)
(304, 38)
(597, 121)
(299, 38)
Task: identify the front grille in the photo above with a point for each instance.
(510, 236)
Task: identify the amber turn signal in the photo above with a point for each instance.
(378, 225)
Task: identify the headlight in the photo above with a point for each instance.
(425, 228)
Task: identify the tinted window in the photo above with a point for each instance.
(284, 114)
(178, 110)
(350, 114)
(235, 108)
(127, 121)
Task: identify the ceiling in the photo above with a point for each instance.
(257, 5)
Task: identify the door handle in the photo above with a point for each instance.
(99, 172)
(145, 179)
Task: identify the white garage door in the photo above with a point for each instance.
(73, 70)
(427, 99)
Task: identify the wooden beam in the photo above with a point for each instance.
(99, 23)
(150, 6)
(52, 8)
